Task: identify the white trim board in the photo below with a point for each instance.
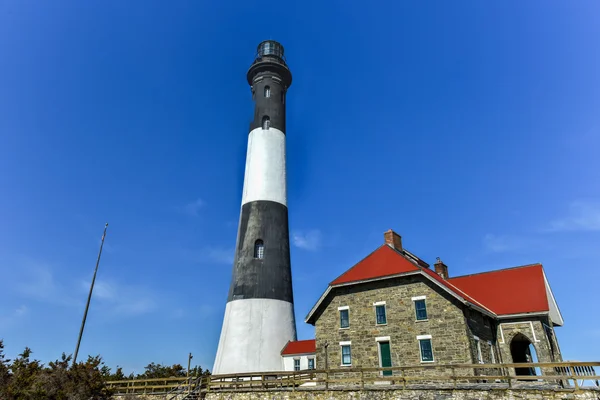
(530, 323)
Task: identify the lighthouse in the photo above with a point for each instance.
(259, 316)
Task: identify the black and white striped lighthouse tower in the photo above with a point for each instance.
(259, 316)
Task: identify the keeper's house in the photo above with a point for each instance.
(391, 309)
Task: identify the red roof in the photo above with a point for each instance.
(454, 289)
(384, 261)
(508, 291)
(299, 347)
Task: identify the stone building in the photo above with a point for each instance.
(392, 309)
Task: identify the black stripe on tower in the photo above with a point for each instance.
(262, 273)
(269, 78)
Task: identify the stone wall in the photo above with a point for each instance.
(446, 324)
(410, 394)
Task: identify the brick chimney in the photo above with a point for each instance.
(441, 269)
(393, 240)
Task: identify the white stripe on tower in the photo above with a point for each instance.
(265, 176)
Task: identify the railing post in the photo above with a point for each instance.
(207, 383)
(453, 376)
(574, 377)
(294, 381)
(326, 379)
(362, 379)
(508, 378)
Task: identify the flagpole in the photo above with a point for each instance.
(87, 306)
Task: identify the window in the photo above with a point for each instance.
(492, 355)
(266, 122)
(425, 348)
(478, 347)
(421, 309)
(259, 249)
(311, 363)
(346, 354)
(380, 314)
(344, 318)
(296, 364)
(267, 91)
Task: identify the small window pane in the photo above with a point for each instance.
(296, 365)
(266, 122)
(344, 319)
(380, 312)
(421, 310)
(267, 91)
(426, 352)
(346, 356)
(259, 249)
(311, 363)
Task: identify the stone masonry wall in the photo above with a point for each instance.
(428, 394)
(534, 331)
(483, 327)
(446, 324)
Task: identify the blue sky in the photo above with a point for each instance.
(470, 128)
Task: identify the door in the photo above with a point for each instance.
(386, 357)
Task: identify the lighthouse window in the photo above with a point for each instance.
(267, 91)
(259, 249)
(266, 122)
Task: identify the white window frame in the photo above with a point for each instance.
(425, 337)
(342, 344)
(375, 305)
(478, 347)
(414, 300)
(298, 360)
(342, 308)
(313, 362)
(492, 355)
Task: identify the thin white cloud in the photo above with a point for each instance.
(582, 216)
(38, 283)
(501, 243)
(308, 240)
(21, 311)
(121, 299)
(193, 208)
(221, 255)
(208, 254)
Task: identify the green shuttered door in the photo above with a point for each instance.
(386, 357)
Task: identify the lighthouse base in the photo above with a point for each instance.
(253, 334)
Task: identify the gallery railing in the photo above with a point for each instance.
(569, 375)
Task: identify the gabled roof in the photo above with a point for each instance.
(387, 262)
(502, 293)
(299, 347)
(512, 291)
(382, 262)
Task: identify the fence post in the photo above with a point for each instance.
(453, 371)
(362, 379)
(403, 378)
(574, 377)
(294, 381)
(207, 383)
(507, 371)
(326, 379)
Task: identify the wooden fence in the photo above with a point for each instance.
(574, 375)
